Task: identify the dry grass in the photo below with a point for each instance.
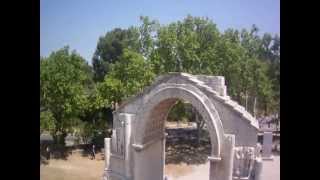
(76, 167)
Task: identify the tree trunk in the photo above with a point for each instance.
(266, 108)
(59, 142)
(246, 100)
(60, 139)
(254, 107)
(200, 124)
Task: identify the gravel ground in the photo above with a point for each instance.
(270, 171)
(78, 167)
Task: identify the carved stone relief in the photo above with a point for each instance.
(244, 158)
(118, 137)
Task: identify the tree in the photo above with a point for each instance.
(187, 46)
(110, 47)
(63, 76)
(178, 112)
(196, 117)
(185, 112)
(127, 77)
(147, 31)
(249, 62)
(92, 132)
(261, 86)
(47, 122)
(256, 84)
(77, 96)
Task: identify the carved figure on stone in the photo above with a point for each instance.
(244, 161)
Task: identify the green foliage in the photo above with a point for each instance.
(127, 77)
(147, 32)
(178, 112)
(187, 46)
(111, 89)
(111, 47)
(75, 96)
(63, 77)
(47, 122)
(85, 131)
(91, 132)
(249, 63)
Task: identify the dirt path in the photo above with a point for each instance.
(187, 172)
(270, 171)
(78, 167)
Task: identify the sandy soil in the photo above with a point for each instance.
(77, 167)
(187, 172)
(270, 171)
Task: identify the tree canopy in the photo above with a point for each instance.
(127, 77)
(75, 95)
(63, 76)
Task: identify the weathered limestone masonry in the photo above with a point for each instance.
(136, 150)
(267, 146)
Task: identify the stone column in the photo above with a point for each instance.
(128, 122)
(212, 170)
(221, 169)
(257, 169)
(107, 146)
(267, 146)
(164, 153)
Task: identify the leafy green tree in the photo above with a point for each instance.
(178, 112)
(274, 72)
(147, 31)
(256, 86)
(196, 46)
(186, 46)
(74, 95)
(110, 47)
(185, 112)
(165, 57)
(63, 78)
(85, 131)
(127, 77)
(261, 89)
(47, 122)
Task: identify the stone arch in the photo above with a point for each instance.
(136, 149)
(157, 104)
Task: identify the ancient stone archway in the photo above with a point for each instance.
(136, 149)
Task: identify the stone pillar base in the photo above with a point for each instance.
(257, 169)
(270, 158)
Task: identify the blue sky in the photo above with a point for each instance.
(79, 23)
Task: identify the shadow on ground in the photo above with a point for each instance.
(56, 152)
(62, 153)
(182, 147)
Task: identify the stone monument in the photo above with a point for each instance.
(136, 150)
